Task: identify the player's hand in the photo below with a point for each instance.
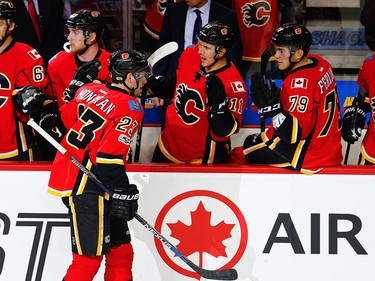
(85, 74)
(216, 96)
(266, 96)
(353, 123)
(53, 125)
(28, 100)
(124, 202)
(158, 102)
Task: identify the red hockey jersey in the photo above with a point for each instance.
(309, 94)
(61, 69)
(366, 79)
(102, 121)
(186, 136)
(257, 20)
(20, 65)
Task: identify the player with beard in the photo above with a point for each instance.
(84, 30)
(306, 132)
(209, 96)
(101, 121)
(22, 77)
(82, 62)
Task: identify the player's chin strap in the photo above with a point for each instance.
(87, 35)
(131, 89)
(6, 34)
(292, 50)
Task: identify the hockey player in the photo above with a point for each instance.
(20, 66)
(83, 61)
(355, 116)
(101, 122)
(84, 30)
(305, 133)
(209, 96)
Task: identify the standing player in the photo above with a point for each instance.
(101, 122)
(20, 66)
(209, 96)
(84, 30)
(305, 133)
(355, 116)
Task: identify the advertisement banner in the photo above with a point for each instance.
(268, 226)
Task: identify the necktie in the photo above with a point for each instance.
(34, 17)
(197, 25)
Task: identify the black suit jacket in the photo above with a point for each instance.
(52, 27)
(173, 29)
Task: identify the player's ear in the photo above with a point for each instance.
(12, 26)
(220, 52)
(91, 37)
(299, 54)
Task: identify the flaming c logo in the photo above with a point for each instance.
(204, 231)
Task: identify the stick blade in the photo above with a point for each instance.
(218, 274)
(161, 52)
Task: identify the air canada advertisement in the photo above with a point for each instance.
(285, 227)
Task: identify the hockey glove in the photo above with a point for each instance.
(53, 125)
(266, 96)
(85, 74)
(353, 123)
(124, 202)
(216, 96)
(28, 100)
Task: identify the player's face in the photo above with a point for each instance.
(207, 53)
(282, 54)
(196, 3)
(76, 40)
(3, 29)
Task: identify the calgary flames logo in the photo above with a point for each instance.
(255, 13)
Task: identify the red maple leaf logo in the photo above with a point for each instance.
(201, 236)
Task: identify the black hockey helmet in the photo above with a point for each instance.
(294, 35)
(218, 34)
(86, 20)
(7, 11)
(124, 61)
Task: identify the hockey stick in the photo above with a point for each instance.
(140, 128)
(160, 53)
(225, 274)
(360, 99)
(266, 55)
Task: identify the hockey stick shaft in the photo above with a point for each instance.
(156, 56)
(226, 274)
(140, 129)
(63, 151)
(266, 55)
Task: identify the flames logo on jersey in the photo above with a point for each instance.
(162, 5)
(255, 13)
(188, 101)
